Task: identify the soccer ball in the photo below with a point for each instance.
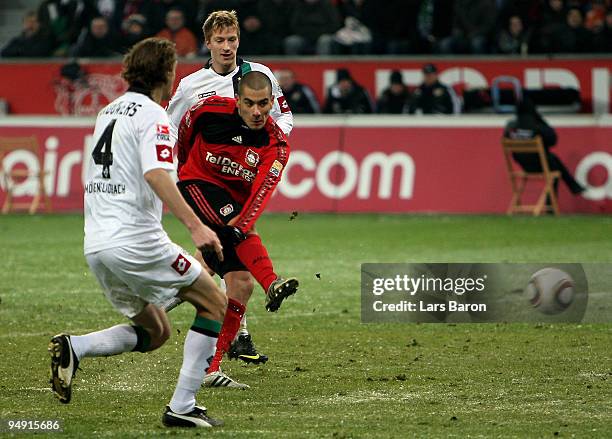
(550, 290)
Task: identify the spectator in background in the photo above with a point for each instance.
(553, 19)
(175, 31)
(97, 42)
(529, 11)
(529, 124)
(157, 13)
(300, 97)
(255, 39)
(433, 97)
(514, 38)
(312, 25)
(393, 27)
(33, 41)
(434, 23)
(134, 30)
(472, 28)
(107, 9)
(602, 36)
(347, 97)
(354, 38)
(395, 98)
(595, 15)
(65, 19)
(572, 36)
(275, 14)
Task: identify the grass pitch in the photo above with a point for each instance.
(328, 374)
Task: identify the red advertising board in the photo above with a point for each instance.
(365, 166)
(37, 88)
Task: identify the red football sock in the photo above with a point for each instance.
(254, 256)
(231, 324)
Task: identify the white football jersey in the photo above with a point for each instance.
(131, 137)
(206, 82)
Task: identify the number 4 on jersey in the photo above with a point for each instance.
(105, 158)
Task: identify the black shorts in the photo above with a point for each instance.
(215, 207)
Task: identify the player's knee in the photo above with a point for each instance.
(219, 305)
(240, 286)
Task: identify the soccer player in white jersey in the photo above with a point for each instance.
(132, 257)
(221, 76)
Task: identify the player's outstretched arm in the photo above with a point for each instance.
(202, 236)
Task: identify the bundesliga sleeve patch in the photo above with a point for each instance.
(164, 153)
(163, 132)
(181, 265)
(284, 105)
(276, 168)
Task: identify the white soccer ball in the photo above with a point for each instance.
(550, 290)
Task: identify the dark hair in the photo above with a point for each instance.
(396, 77)
(526, 109)
(342, 74)
(255, 80)
(148, 63)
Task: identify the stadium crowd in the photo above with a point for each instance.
(108, 28)
(105, 28)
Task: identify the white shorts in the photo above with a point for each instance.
(137, 274)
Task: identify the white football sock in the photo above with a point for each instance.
(110, 341)
(243, 327)
(199, 349)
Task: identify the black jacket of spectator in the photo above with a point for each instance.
(275, 15)
(301, 99)
(39, 44)
(97, 42)
(434, 99)
(313, 19)
(355, 101)
(392, 103)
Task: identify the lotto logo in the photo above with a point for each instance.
(206, 94)
(284, 105)
(164, 153)
(181, 265)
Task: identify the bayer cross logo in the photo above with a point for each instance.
(181, 265)
(251, 158)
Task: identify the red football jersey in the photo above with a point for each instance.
(215, 145)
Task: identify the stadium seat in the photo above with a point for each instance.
(519, 178)
(10, 177)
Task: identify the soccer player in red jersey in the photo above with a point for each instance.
(231, 156)
(221, 76)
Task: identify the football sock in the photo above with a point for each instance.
(235, 311)
(254, 256)
(243, 327)
(110, 341)
(197, 352)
